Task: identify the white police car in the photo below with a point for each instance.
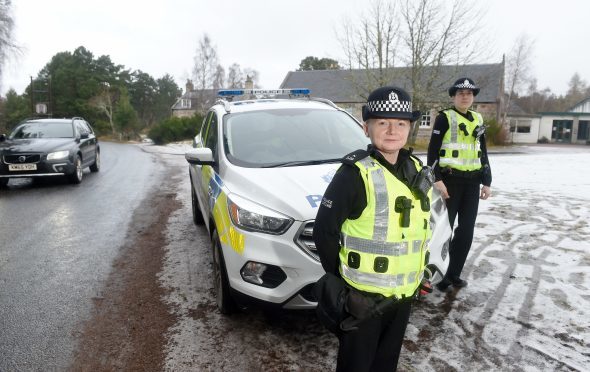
(258, 170)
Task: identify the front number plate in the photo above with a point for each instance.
(22, 167)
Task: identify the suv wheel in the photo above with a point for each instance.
(197, 215)
(3, 182)
(95, 167)
(225, 303)
(76, 177)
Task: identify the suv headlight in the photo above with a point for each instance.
(58, 155)
(250, 216)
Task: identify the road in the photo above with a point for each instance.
(57, 244)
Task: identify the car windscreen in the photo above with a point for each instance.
(285, 137)
(43, 130)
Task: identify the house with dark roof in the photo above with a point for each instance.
(192, 101)
(350, 88)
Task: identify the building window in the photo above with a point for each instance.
(185, 103)
(583, 130)
(425, 121)
(520, 125)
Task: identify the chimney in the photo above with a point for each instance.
(189, 86)
(249, 84)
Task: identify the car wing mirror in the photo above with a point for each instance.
(199, 156)
(83, 135)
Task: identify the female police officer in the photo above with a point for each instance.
(371, 230)
(458, 146)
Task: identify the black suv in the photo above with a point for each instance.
(49, 147)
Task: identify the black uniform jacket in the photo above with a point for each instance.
(441, 126)
(345, 198)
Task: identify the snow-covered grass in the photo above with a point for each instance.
(527, 306)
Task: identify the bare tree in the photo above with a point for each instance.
(206, 63)
(235, 77)
(420, 35)
(7, 45)
(577, 91)
(219, 77)
(369, 45)
(105, 102)
(518, 69)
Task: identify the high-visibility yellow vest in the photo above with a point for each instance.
(377, 254)
(461, 150)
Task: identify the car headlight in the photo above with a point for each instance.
(254, 217)
(58, 155)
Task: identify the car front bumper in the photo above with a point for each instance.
(291, 290)
(44, 168)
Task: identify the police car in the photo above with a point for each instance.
(258, 170)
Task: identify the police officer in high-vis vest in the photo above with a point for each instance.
(372, 231)
(458, 148)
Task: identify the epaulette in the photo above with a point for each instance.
(355, 156)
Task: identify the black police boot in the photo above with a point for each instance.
(444, 286)
(459, 283)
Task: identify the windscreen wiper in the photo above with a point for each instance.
(302, 162)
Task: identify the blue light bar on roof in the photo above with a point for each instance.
(263, 92)
(230, 92)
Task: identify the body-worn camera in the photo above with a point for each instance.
(422, 184)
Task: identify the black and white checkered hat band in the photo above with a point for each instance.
(465, 86)
(390, 106)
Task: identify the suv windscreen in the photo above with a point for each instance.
(290, 137)
(43, 130)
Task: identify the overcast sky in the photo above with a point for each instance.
(272, 37)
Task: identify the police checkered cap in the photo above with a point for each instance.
(380, 106)
(463, 83)
(389, 102)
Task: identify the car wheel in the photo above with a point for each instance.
(76, 177)
(4, 182)
(225, 302)
(95, 167)
(197, 215)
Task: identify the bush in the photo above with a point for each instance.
(175, 129)
(496, 133)
(543, 140)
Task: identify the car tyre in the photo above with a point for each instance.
(3, 182)
(95, 167)
(224, 300)
(197, 215)
(76, 177)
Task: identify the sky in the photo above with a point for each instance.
(272, 37)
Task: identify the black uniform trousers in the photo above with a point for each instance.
(376, 345)
(463, 203)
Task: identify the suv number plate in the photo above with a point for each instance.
(22, 167)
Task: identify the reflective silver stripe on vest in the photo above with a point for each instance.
(377, 280)
(381, 223)
(416, 244)
(454, 126)
(376, 247)
(458, 161)
(461, 146)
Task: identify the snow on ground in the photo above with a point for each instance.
(527, 306)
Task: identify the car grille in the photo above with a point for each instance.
(304, 239)
(22, 158)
